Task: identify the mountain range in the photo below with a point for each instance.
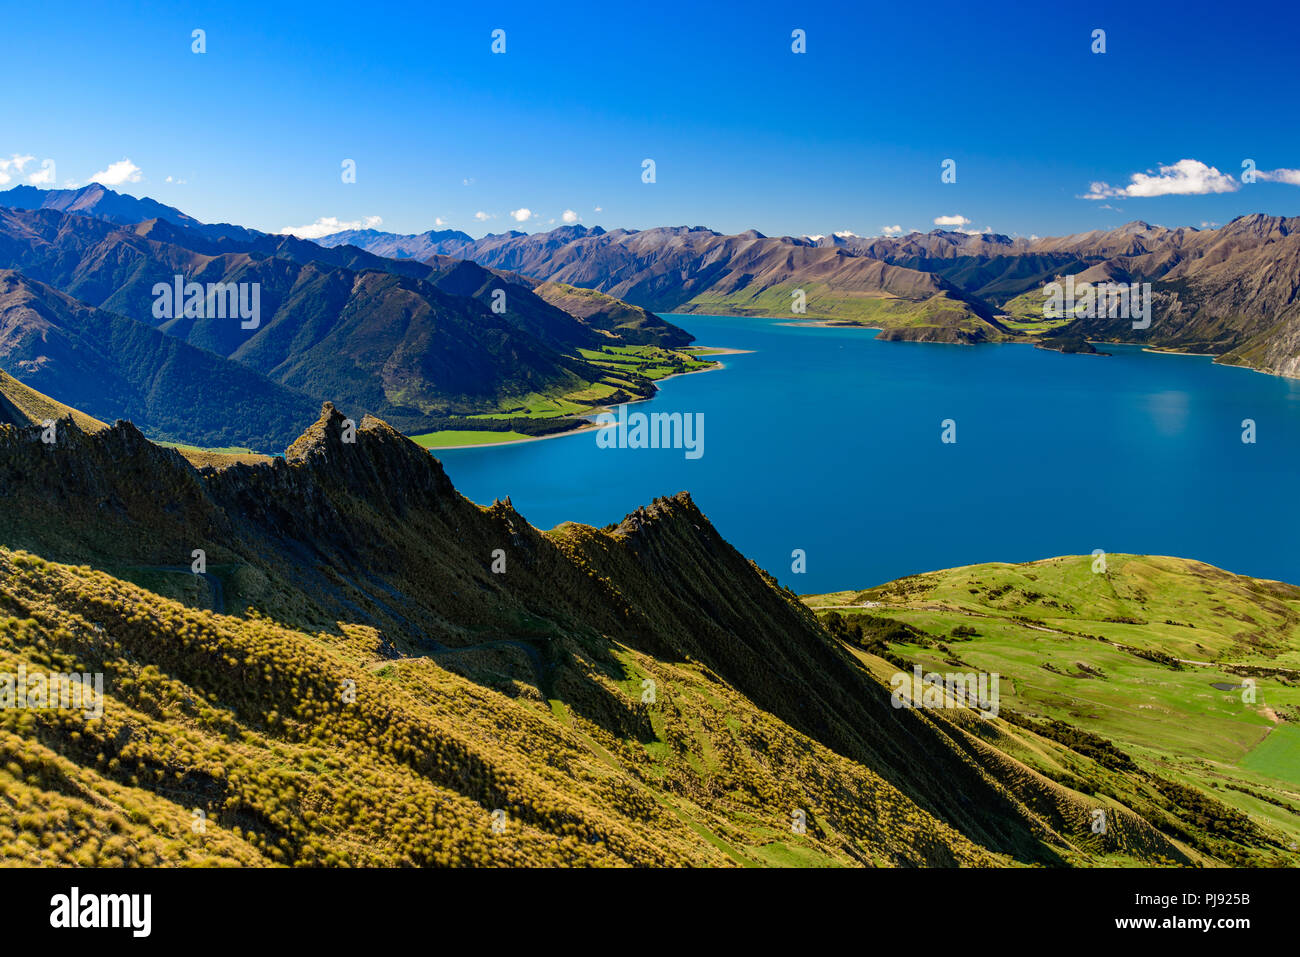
(1230, 291)
(424, 345)
(117, 368)
(687, 270)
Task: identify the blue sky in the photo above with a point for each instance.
(744, 133)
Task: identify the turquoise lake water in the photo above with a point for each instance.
(827, 440)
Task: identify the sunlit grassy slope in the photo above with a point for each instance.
(248, 722)
(938, 317)
(20, 405)
(1153, 654)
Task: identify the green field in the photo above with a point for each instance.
(1034, 327)
(629, 370)
(1026, 313)
(826, 302)
(1069, 645)
(449, 438)
(1278, 755)
(653, 362)
(538, 406)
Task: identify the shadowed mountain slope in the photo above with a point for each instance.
(118, 368)
(23, 406)
(413, 342)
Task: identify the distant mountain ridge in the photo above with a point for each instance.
(157, 222)
(104, 203)
(395, 246)
(1223, 291)
(696, 270)
(1229, 290)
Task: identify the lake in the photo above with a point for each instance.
(828, 440)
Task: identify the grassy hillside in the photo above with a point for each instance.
(632, 324)
(937, 318)
(1141, 666)
(22, 406)
(244, 720)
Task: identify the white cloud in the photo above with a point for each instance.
(815, 238)
(14, 163)
(123, 171)
(1187, 177)
(845, 234)
(892, 230)
(175, 181)
(569, 216)
(599, 209)
(467, 181)
(327, 225)
(43, 176)
(483, 217)
(522, 214)
(439, 221)
(953, 220)
(975, 232)
(1291, 176)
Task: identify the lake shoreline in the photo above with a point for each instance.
(824, 323)
(716, 367)
(711, 352)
